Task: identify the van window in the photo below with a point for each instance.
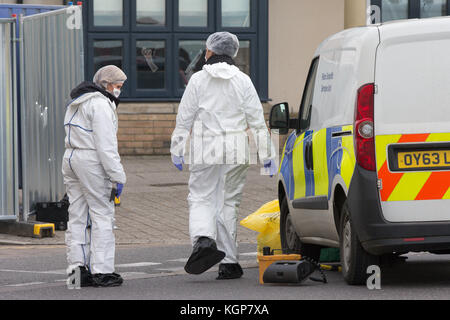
(308, 95)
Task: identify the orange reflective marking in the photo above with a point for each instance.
(391, 179)
(408, 138)
(436, 186)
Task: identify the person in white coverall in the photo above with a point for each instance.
(218, 106)
(93, 174)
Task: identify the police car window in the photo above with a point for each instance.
(308, 94)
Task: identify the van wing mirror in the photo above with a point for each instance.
(280, 119)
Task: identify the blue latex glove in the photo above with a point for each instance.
(178, 162)
(270, 167)
(119, 189)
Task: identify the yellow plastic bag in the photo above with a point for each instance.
(266, 221)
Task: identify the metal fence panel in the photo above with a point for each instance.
(51, 66)
(6, 10)
(8, 123)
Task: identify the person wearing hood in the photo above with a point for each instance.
(218, 106)
(92, 170)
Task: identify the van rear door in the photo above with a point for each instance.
(412, 120)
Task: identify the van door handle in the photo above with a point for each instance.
(309, 156)
(341, 134)
(305, 155)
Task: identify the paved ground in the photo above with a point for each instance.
(154, 208)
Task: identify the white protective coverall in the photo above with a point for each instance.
(91, 164)
(219, 104)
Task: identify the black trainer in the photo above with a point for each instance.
(204, 256)
(229, 271)
(85, 277)
(107, 280)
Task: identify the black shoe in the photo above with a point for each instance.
(85, 277)
(204, 256)
(229, 271)
(107, 280)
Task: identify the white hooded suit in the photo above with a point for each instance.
(90, 166)
(219, 105)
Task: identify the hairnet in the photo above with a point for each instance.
(223, 43)
(109, 74)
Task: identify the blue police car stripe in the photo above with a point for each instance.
(287, 169)
(334, 156)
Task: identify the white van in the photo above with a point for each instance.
(367, 166)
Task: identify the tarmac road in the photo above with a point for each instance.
(156, 273)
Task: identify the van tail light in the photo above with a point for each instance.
(363, 130)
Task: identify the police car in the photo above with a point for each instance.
(367, 165)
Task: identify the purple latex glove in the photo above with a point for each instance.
(119, 189)
(178, 162)
(270, 167)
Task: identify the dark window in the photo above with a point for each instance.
(308, 96)
(108, 13)
(192, 13)
(191, 57)
(236, 13)
(150, 13)
(161, 43)
(409, 9)
(433, 8)
(108, 52)
(150, 64)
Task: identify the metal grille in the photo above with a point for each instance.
(51, 66)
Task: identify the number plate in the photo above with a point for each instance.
(424, 159)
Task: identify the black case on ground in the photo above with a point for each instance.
(54, 212)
